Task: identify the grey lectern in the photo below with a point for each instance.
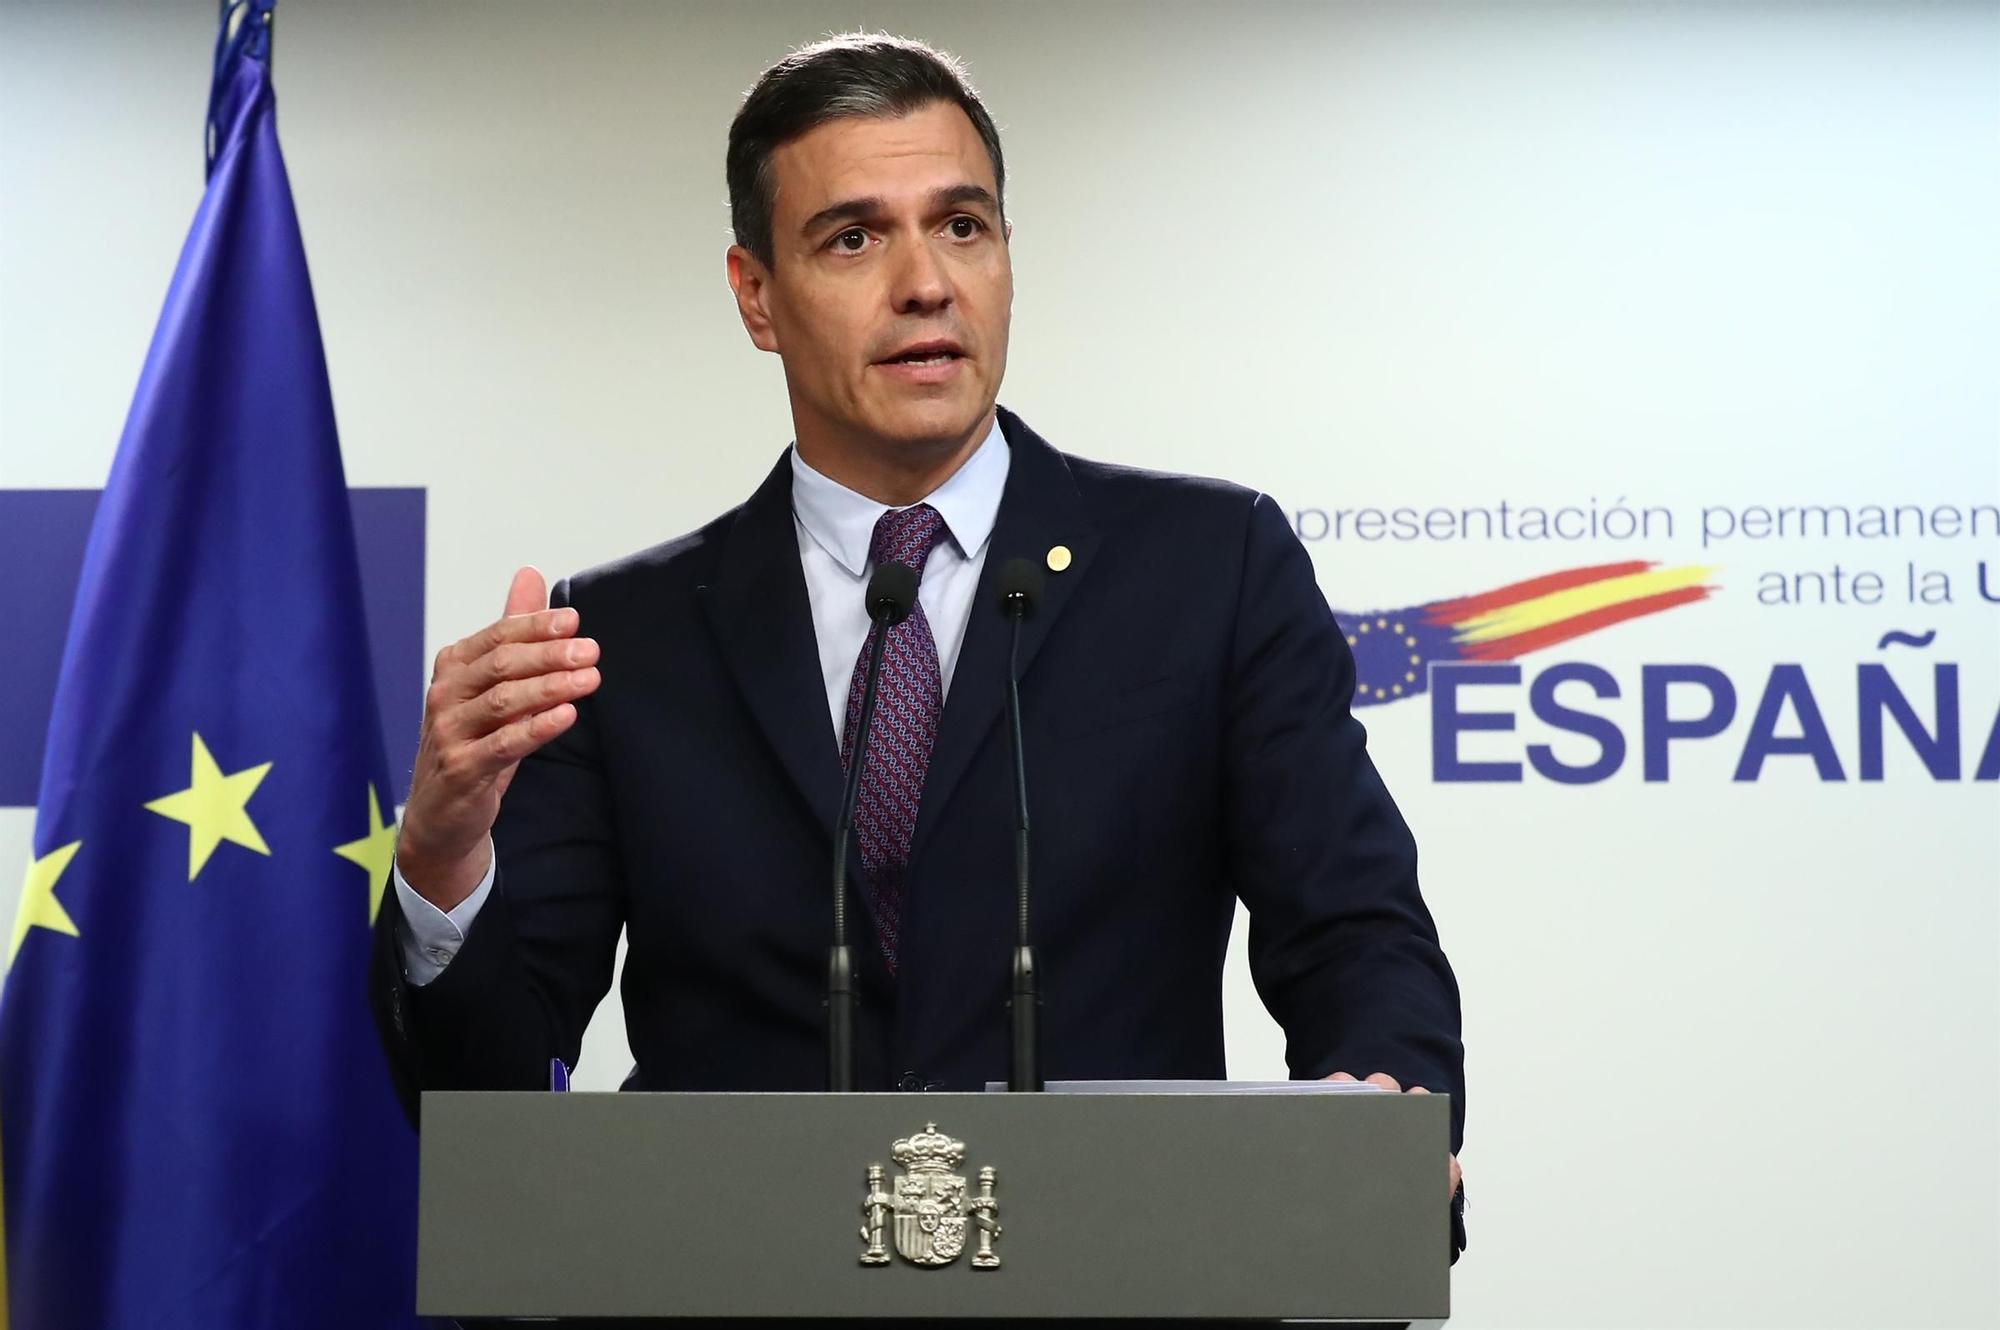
(906, 1207)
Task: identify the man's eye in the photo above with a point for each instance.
(964, 228)
(851, 241)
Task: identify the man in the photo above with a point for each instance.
(1184, 692)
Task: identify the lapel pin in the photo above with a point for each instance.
(1058, 558)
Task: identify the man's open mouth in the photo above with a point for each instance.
(926, 353)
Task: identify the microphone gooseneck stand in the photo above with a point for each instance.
(1020, 586)
(891, 593)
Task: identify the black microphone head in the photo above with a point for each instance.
(892, 593)
(1019, 587)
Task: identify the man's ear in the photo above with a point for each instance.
(750, 280)
(1007, 230)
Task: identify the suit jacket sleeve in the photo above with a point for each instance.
(540, 954)
(1343, 950)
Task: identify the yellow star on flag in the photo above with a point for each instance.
(374, 852)
(39, 906)
(215, 808)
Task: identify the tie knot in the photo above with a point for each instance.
(906, 536)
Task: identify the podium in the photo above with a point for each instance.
(901, 1207)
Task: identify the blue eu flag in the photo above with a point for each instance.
(197, 1121)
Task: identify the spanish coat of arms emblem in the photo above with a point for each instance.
(929, 1208)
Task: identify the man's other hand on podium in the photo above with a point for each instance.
(1390, 1083)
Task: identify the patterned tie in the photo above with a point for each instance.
(908, 697)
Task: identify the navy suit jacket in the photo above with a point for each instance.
(1185, 703)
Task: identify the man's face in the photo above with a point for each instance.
(886, 238)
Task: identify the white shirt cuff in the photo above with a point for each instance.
(430, 937)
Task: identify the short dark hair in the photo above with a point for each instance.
(853, 74)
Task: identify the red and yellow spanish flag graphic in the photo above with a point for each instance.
(1393, 649)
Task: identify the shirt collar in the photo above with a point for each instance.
(842, 521)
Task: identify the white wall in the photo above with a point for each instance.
(1734, 1048)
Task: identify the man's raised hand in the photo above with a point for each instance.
(495, 697)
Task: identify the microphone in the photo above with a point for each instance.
(892, 592)
(1018, 588)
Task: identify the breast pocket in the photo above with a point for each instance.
(1122, 706)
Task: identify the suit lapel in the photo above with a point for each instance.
(1039, 510)
(758, 608)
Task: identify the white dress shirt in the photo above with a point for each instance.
(835, 526)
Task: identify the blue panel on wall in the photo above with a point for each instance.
(42, 537)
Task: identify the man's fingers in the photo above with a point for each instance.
(523, 660)
(1457, 1173)
(527, 594)
(1388, 1082)
(507, 702)
(541, 626)
(511, 743)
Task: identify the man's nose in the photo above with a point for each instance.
(921, 284)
